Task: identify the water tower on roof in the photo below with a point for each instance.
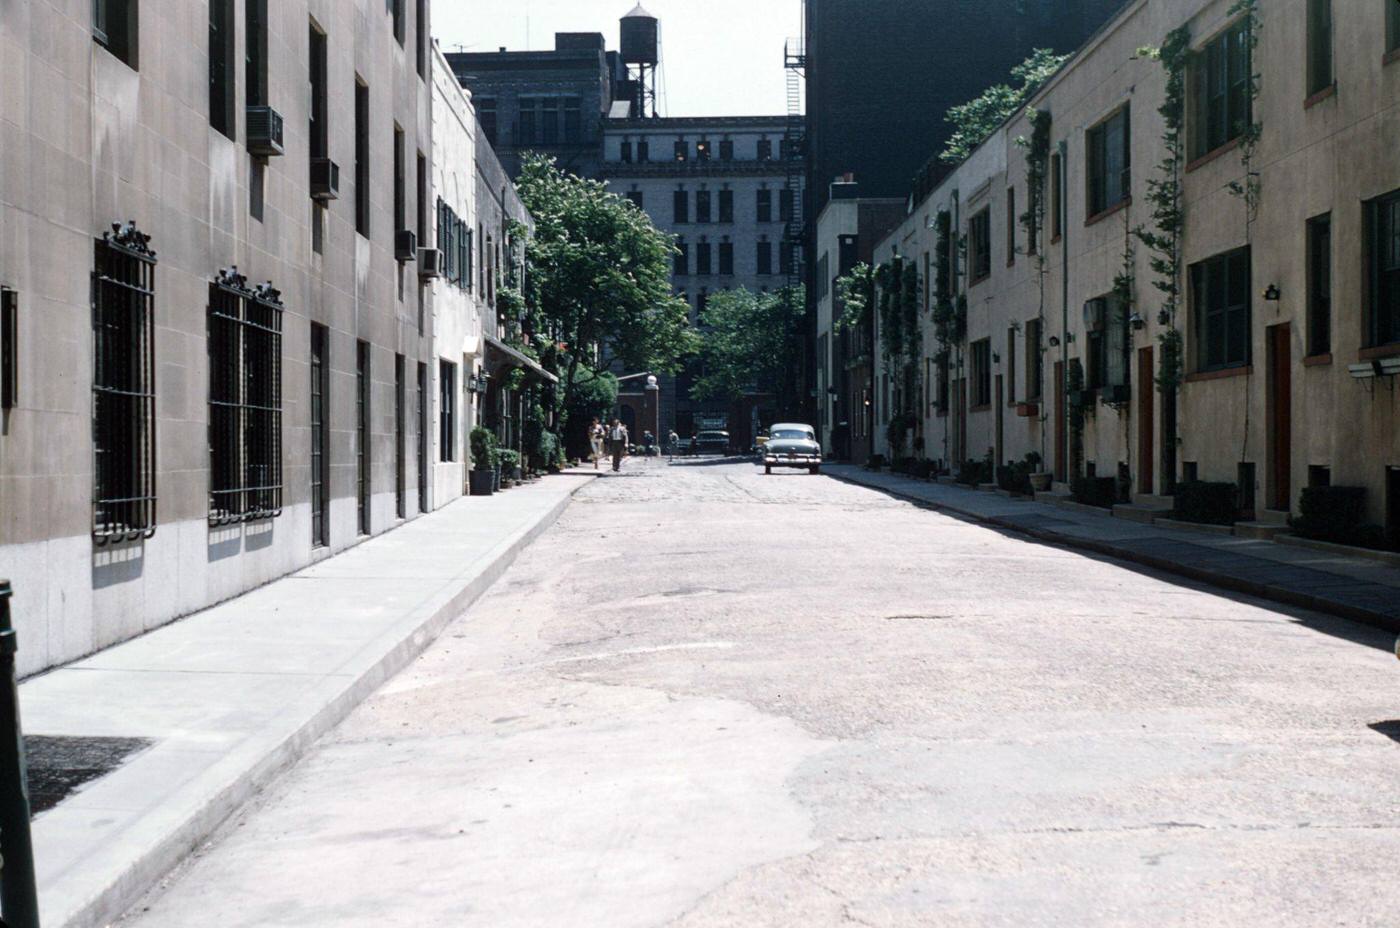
(641, 53)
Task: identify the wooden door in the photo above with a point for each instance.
(1000, 409)
(1061, 459)
(1280, 417)
(1147, 455)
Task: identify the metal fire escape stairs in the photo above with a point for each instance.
(795, 159)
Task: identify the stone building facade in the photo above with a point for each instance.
(1289, 254)
(219, 318)
(719, 185)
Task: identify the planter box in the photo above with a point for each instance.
(481, 482)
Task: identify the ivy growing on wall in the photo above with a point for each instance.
(1248, 188)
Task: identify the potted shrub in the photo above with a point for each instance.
(510, 466)
(481, 480)
(1040, 479)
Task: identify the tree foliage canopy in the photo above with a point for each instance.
(752, 341)
(979, 117)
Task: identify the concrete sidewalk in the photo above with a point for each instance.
(233, 694)
(1353, 587)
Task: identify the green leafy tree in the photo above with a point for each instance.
(599, 280)
(752, 342)
(979, 117)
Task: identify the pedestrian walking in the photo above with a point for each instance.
(617, 437)
(672, 442)
(596, 433)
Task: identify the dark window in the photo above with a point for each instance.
(702, 206)
(1383, 260)
(726, 149)
(573, 121)
(702, 258)
(765, 150)
(785, 204)
(681, 261)
(1220, 80)
(528, 129)
(422, 437)
(549, 121)
(942, 390)
(1220, 290)
(422, 199)
(255, 51)
(420, 23)
(123, 388)
(680, 148)
(626, 153)
(447, 410)
(635, 198)
(643, 151)
(400, 183)
(1392, 25)
(1010, 229)
(221, 66)
(1320, 75)
(702, 301)
(702, 150)
(1034, 360)
(979, 245)
(9, 348)
(1109, 163)
(764, 204)
(319, 134)
(765, 257)
(320, 435)
(1108, 343)
(245, 402)
(361, 158)
(486, 115)
(726, 258)
(1320, 285)
(981, 373)
(400, 436)
(1011, 364)
(680, 206)
(396, 12)
(1056, 196)
(362, 449)
(1319, 475)
(726, 206)
(116, 27)
(785, 258)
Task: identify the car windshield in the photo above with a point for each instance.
(791, 435)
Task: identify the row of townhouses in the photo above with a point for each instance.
(249, 259)
(1220, 304)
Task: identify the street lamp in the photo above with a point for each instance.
(654, 398)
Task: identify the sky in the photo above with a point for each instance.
(718, 57)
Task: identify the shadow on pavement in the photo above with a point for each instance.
(1390, 728)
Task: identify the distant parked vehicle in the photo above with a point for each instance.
(712, 442)
(792, 444)
(759, 441)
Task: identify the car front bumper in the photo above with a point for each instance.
(791, 460)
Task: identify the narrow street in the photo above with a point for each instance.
(707, 697)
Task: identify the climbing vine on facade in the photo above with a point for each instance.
(1248, 188)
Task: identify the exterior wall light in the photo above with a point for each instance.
(1271, 293)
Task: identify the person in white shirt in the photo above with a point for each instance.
(617, 438)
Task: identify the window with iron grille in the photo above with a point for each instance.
(245, 400)
(1220, 85)
(320, 435)
(447, 411)
(1110, 163)
(362, 450)
(422, 437)
(123, 387)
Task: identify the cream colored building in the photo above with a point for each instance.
(1290, 304)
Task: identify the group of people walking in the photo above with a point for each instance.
(614, 440)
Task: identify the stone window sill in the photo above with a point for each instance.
(1243, 370)
(1210, 156)
(1329, 91)
(1317, 360)
(1104, 214)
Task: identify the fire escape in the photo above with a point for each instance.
(794, 160)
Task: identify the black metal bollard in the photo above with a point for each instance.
(19, 899)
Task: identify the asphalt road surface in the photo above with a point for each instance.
(707, 697)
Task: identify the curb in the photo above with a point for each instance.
(1214, 578)
(265, 756)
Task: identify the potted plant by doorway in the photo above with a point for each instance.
(481, 479)
(510, 466)
(1040, 480)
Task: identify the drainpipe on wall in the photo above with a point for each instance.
(955, 417)
(1063, 149)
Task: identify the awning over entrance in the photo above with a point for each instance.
(499, 355)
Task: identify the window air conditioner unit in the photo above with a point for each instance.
(264, 131)
(325, 179)
(429, 262)
(405, 245)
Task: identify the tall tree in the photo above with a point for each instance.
(599, 276)
(751, 342)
